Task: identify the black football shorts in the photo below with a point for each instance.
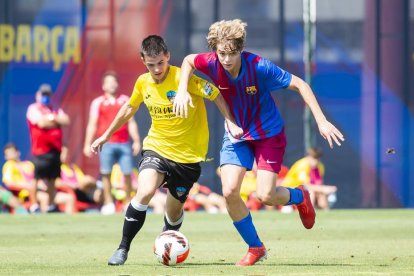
(179, 177)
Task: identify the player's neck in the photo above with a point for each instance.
(235, 71)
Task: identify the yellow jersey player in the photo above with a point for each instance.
(173, 148)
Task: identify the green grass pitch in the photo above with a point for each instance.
(342, 242)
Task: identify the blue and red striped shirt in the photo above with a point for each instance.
(248, 96)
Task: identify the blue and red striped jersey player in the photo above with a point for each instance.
(246, 80)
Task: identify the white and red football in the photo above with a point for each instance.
(171, 247)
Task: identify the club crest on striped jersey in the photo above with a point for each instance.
(251, 90)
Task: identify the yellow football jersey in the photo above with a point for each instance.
(18, 173)
(298, 174)
(183, 140)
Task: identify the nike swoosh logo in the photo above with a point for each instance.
(223, 88)
(130, 219)
(270, 162)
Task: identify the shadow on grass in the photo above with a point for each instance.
(189, 265)
(312, 265)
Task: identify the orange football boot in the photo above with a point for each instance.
(306, 210)
(254, 255)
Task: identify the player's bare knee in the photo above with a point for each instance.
(143, 198)
(265, 199)
(231, 194)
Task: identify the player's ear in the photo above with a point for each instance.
(167, 55)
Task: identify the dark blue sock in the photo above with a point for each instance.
(296, 196)
(248, 232)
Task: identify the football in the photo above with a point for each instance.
(171, 248)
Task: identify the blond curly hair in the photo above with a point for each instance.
(231, 32)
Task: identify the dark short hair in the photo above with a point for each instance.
(315, 153)
(109, 73)
(9, 146)
(153, 45)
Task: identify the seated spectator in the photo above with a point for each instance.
(157, 203)
(201, 196)
(8, 199)
(309, 171)
(18, 176)
(73, 177)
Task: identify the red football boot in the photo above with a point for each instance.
(254, 255)
(306, 210)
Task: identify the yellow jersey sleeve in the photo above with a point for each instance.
(78, 171)
(8, 169)
(136, 97)
(200, 87)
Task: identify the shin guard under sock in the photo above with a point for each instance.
(134, 219)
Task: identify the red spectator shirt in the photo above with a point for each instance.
(43, 140)
(105, 109)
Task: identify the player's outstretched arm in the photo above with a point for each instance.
(123, 115)
(327, 130)
(134, 133)
(183, 98)
(234, 129)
